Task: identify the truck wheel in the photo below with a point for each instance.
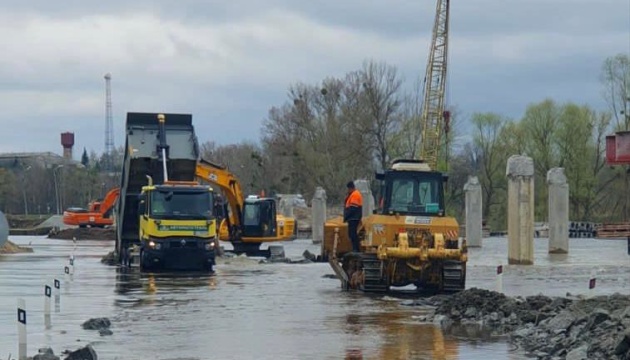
(143, 263)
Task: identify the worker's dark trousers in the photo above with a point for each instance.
(352, 233)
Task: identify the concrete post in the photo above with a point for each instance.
(286, 206)
(474, 211)
(558, 211)
(366, 193)
(4, 229)
(520, 173)
(318, 209)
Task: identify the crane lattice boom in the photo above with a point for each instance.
(433, 114)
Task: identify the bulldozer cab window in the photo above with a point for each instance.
(415, 195)
(181, 205)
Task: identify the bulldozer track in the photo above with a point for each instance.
(373, 281)
(453, 277)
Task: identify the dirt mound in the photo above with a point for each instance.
(24, 221)
(84, 234)
(547, 327)
(11, 248)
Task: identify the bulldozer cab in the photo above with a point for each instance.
(411, 190)
(259, 218)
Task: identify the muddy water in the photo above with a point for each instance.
(267, 311)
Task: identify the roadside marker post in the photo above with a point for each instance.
(47, 295)
(592, 283)
(500, 278)
(21, 318)
(57, 285)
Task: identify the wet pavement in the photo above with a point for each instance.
(249, 310)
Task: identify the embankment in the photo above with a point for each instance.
(545, 327)
(83, 234)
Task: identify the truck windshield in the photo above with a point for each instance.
(181, 205)
(415, 195)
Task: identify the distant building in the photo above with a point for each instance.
(44, 159)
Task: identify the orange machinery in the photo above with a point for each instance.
(98, 214)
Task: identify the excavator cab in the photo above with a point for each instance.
(259, 218)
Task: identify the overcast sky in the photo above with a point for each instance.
(227, 63)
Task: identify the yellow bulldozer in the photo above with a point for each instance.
(408, 240)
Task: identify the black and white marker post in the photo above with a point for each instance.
(71, 263)
(47, 295)
(57, 285)
(500, 278)
(21, 318)
(591, 284)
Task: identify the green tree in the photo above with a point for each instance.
(85, 160)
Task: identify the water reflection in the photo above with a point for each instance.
(140, 289)
(394, 335)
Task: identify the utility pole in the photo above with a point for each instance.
(109, 125)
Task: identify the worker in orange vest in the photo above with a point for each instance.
(352, 213)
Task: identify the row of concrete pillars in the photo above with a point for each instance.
(520, 174)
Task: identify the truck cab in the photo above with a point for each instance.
(177, 226)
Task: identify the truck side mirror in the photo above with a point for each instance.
(142, 207)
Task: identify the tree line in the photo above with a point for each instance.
(351, 126)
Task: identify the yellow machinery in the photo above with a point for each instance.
(409, 239)
(251, 221)
(177, 226)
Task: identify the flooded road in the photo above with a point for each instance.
(249, 310)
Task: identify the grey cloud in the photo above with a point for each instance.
(504, 54)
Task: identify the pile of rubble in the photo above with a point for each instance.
(546, 327)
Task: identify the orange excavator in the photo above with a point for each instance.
(98, 213)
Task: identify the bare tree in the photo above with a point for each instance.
(381, 86)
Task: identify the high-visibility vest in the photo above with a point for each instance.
(354, 199)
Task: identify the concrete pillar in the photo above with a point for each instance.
(366, 193)
(318, 209)
(520, 174)
(558, 211)
(286, 206)
(474, 212)
(4, 229)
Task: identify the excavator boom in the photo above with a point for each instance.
(220, 177)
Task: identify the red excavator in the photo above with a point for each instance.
(98, 213)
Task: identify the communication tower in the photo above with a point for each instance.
(109, 124)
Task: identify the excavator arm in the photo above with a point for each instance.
(108, 202)
(222, 178)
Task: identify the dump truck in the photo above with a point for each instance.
(98, 214)
(165, 219)
(250, 221)
(408, 240)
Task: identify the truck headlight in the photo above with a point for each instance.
(210, 245)
(154, 245)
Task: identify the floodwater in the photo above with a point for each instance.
(249, 310)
